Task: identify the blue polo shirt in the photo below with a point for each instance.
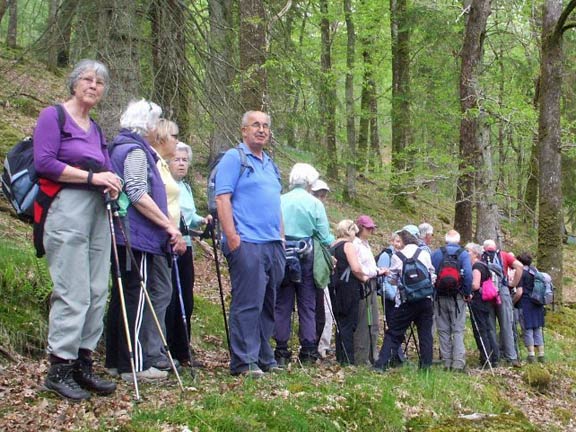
(255, 195)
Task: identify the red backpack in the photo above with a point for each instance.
(449, 279)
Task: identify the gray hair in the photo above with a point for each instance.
(84, 65)
(425, 228)
(303, 174)
(249, 113)
(474, 249)
(186, 148)
(141, 117)
(452, 236)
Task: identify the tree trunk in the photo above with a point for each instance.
(3, 7)
(118, 48)
(11, 36)
(487, 225)
(549, 137)
(252, 43)
(470, 150)
(400, 114)
(171, 70)
(327, 95)
(350, 189)
(221, 99)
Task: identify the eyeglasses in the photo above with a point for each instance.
(90, 80)
(258, 125)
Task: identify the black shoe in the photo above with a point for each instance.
(60, 381)
(282, 357)
(309, 356)
(85, 377)
(165, 365)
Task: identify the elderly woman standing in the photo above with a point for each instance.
(177, 334)
(76, 235)
(150, 231)
(304, 215)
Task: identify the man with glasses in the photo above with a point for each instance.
(248, 203)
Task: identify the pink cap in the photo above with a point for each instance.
(365, 221)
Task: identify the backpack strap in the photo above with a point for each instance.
(61, 117)
(416, 254)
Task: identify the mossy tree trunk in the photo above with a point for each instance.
(350, 189)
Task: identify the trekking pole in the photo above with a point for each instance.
(369, 322)
(338, 330)
(150, 304)
(219, 277)
(121, 295)
(183, 311)
(475, 324)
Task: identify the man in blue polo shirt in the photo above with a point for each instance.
(248, 202)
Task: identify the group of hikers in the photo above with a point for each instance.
(126, 205)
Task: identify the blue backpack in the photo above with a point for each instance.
(543, 290)
(415, 282)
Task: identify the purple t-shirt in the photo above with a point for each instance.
(52, 152)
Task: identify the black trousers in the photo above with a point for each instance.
(176, 333)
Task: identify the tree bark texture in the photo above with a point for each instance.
(118, 33)
(3, 7)
(401, 107)
(350, 189)
(252, 42)
(549, 135)
(327, 95)
(170, 66)
(221, 98)
(469, 149)
(59, 32)
(12, 34)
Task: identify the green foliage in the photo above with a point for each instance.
(537, 377)
(24, 287)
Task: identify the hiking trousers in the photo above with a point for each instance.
(505, 316)
(77, 243)
(420, 313)
(366, 333)
(256, 271)
(450, 314)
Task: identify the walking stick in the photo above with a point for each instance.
(219, 277)
(121, 294)
(183, 311)
(338, 330)
(475, 324)
(150, 304)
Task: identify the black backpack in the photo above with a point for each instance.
(19, 179)
(449, 280)
(211, 186)
(415, 282)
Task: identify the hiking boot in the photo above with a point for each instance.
(150, 374)
(541, 359)
(515, 363)
(253, 372)
(530, 359)
(309, 356)
(84, 375)
(164, 365)
(282, 357)
(60, 380)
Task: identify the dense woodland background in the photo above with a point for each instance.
(471, 100)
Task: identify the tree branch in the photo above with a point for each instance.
(559, 29)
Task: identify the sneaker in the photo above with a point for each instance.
(253, 372)
(60, 380)
(165, 365)
(272, 369)
(113, 372)
(515, 363)
(84, 375)
(150, 374)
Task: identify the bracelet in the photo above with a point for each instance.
(90, 175)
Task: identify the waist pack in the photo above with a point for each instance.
(295, 250)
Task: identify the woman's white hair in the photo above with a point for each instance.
(186, 148)
(303, 174)
(141, 117)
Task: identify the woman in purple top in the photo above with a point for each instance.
(76, 234)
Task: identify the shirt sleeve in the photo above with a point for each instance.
(192, 218)
(135, 175)
(47, 145)
(323, 226)
(228, 172)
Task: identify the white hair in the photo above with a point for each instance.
(474, 248)
(84, 65)
(186, 148)
(452, 236)
(425, 229)
(141, 116)
(247, 114)
(489, 244)
(303, 174)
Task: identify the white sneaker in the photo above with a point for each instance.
(113, 372)
(150, 374)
